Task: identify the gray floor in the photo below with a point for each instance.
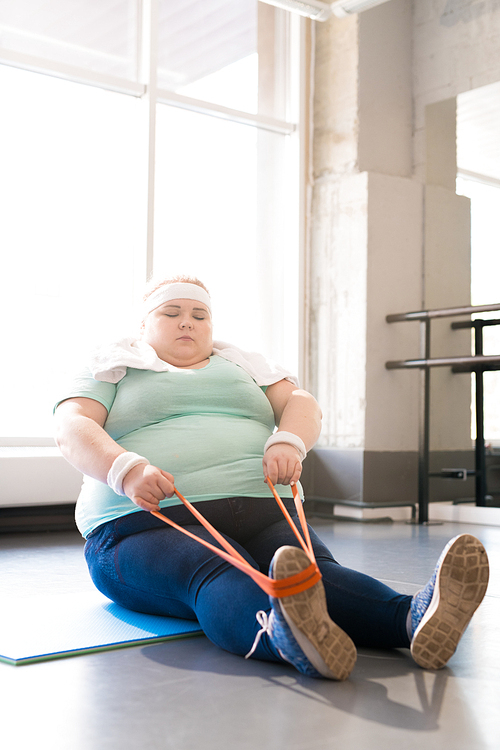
(188, 694)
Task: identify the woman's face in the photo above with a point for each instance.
(180, 331)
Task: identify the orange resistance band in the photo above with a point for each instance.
(277, 588)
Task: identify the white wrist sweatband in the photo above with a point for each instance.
(291, 439)
(121, 467)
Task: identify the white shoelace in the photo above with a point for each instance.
(264, 623)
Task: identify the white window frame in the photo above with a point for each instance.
(32, 470)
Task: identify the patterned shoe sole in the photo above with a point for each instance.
(461, 584)
(327, 647)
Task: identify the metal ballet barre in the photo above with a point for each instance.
(477, 363)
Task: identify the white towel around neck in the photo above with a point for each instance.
(109, 362)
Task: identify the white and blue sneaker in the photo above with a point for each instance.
(300, 628)
(441, 611)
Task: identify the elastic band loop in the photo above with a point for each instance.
(276, 588)
(306, 546)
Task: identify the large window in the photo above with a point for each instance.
(224, 211)
(478, 160)
(114, 167)
(72, 193)
(485, 272)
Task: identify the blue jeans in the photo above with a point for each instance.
(142, 564)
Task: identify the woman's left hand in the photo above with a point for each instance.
(282, 464)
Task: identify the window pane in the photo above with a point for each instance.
(200, 38)
(485, 272)
(95, 34)
(72, 189)
(233, 54)
(235, 86)
(225, 212)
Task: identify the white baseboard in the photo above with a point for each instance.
(36, 476)
(372, 514)
(445, 512)
(464, 514)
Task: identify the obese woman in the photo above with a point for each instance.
(176, 409)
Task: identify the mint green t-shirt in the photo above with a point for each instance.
(206, 427)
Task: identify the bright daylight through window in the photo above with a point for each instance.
(99, 188)
(485, 271)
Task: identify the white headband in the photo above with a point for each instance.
(177, 290)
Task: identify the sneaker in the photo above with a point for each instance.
(300, 628)
(441, 611)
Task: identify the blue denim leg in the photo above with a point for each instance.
(144, 565)
(161, 571)
(371, 613)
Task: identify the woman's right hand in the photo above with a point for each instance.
(146, 485)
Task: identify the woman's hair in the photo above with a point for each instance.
(155, 284)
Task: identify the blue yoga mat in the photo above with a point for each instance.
(39, 628)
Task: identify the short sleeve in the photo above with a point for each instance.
(85, 386)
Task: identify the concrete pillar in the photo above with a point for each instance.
(446, 280)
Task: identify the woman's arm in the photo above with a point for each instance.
(82, 440)
(295, 411)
